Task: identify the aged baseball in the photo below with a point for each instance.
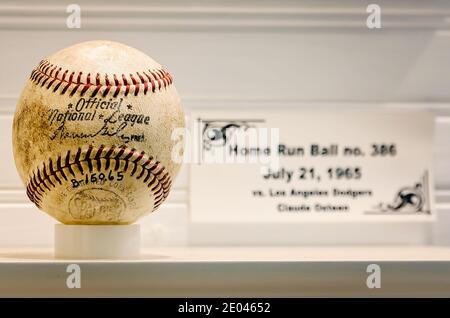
(92, 134)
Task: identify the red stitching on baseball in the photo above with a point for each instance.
(159, 185)
(45, 72)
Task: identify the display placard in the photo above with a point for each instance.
(311, 166)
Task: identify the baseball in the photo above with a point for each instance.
(92, 134)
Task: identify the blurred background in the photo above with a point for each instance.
(239, 54)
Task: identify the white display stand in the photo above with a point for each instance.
(111, 242)
(232, 272)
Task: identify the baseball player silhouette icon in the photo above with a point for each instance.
(409, 197)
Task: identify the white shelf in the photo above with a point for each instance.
(233, 271)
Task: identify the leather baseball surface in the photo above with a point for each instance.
(92, 134)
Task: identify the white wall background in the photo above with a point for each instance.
(239, 54)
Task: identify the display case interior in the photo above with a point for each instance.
(279, 62)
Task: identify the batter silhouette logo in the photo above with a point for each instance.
(412, 199)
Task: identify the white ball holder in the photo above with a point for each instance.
(110, 242)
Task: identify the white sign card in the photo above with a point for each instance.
(311, 166)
